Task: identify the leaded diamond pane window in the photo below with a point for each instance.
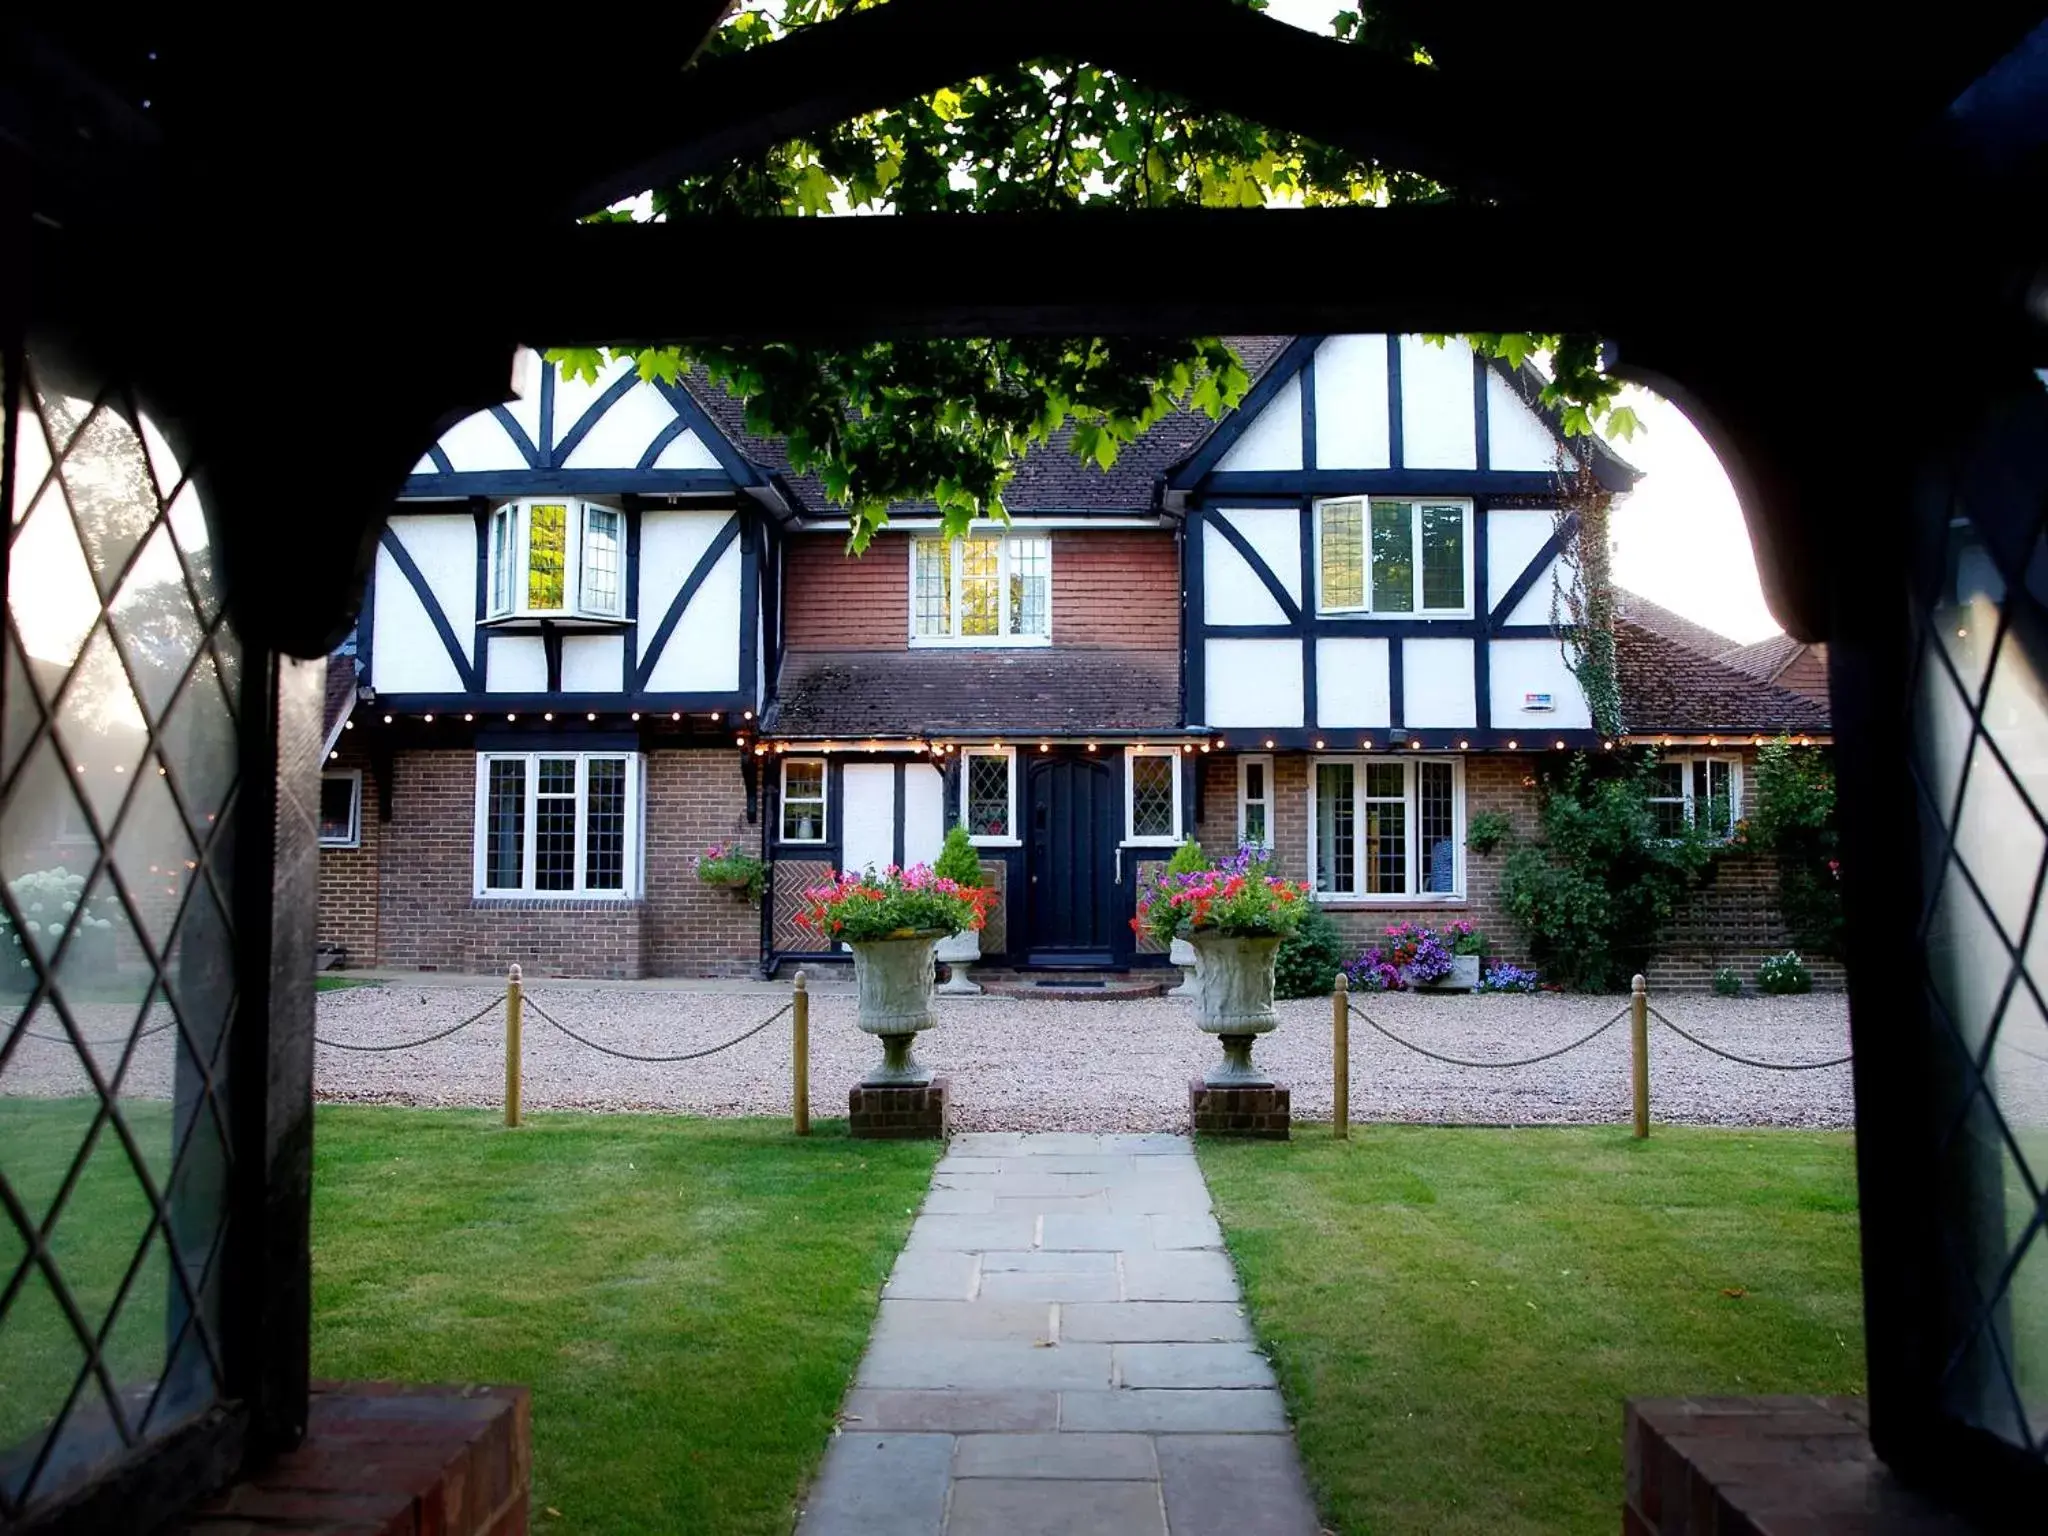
(988, 795)
(119, 756)
(1154, 804)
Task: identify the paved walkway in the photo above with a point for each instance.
(1062, 1351)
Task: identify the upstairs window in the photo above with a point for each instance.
(1696, 792)
(993, 589)
(1380, 827)
(557, 558)
(558, 824)
(1394, 557)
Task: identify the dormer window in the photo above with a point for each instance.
(557, 559)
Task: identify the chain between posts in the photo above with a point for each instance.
(407, 1045)
(1459, 1061)
(1750, 1061)
(713, 1050)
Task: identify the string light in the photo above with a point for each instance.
(714, 717)
(330, 757)
(747, 714)
(428, 718)
(387, 719)
(1512, 745)
(1045, 746)
(636, 717)
(1606, 746)
(467, 719)
(679, 715)
(1560, 746)
(348, 725)
(1269, 743)
(1188, 746)
(1319, 746)
(1464, 745)
(1205, 746)
(591, 716)
(548, 715)
(1091, 746)
(511, 718)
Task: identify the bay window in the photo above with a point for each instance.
(988, 794)
(988, 589)
(1386, 827)
(557, 558)
(1701, 792)
(1394, 557)
(1152, 795)
(558, 824)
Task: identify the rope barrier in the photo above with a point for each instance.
(1456, 1061)
(634, 1056)
(154, 1029)
(1749, 1061)
(407, 1045)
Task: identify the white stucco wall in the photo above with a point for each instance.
(1521, 667)
(1273, 439)
(1232, 590)
(868, 811)
(517, 664)
(1437, 683)
(1516, 437)
(593, 663)
(1253, 683)
(406, 654)
(1514, 536)
(1352, 683)
(924, 813)
(1438, 430)
(1351, 403)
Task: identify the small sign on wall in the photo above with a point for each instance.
(1536, 702)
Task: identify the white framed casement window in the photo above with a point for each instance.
(1255, 801)
(982, 589)
(988, 795)
(1152, 795)
(803, 800)
(1696, 792)
(558, 824)
(1395, 558)
(557, 558)
(341, 808)
(1386, 828)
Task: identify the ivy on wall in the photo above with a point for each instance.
(1795, 820)
(1582, 596)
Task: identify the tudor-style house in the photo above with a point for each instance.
(607, 630)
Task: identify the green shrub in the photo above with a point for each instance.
(1188, 859)
(1592, 892)
(1785, 973)
(1487, 831)
(1795, 819)
(1307, 963)
(1728, 982)
(958, 860)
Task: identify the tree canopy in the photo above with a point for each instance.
(945, 420)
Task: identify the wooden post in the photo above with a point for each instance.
(1639, 1051)
(800, 1052)
(1340, 1067)
(515, 1008)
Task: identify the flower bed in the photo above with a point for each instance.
(1416, 955)
(897, 903)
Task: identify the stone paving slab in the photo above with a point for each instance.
(1061, 1350)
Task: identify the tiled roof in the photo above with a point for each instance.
(1765, 659)
(1051, 479)
(851, 695)
(1672, 626)
(1667, 685)
(341, 693)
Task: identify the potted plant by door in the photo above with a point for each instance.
(1468, 948)
(1188, 859)
(892, 921)
(1235, 919)
(731, 866)
(959, 862)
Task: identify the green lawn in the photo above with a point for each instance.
(1457, 1315)
(327, 981)
(687, 1298)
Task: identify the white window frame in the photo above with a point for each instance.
(1413, 896)
(355, 808)
(966, 772)
(1006, 541)
(507, 587)
(1169, 839)
(1685, 762)
(1414, 504)
(631, 872)
(1244, 799)
(824, 798)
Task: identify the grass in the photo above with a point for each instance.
(1457, 1315)
(327, 981)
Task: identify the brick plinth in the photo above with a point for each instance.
(1265, 1113)
(1751, 1466)
(901, 1114)
(385, 1459)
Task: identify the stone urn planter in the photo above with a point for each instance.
(1463, 976)
(1189, 959)
(892, 981)
(957, 952)
(1234, 1001)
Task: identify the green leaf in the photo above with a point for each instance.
(584, 363)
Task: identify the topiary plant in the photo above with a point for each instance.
(1309, 957)
(959, 860)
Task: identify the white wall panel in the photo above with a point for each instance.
(1534, 608)
(618, 437)
(1273, 438)
(1253, 682)
(525, 409)
(1351, 683)
(573, 397)
(480, 442)
(924, 813)
(518, 664)
(406, 654)
(1437, 683)
(1231, 590)
(671, 543)
(1275, 532)
(703, 655)
(1437, 426)
(1514, 536)
(1522, 667)
(686, 451)
(443, 546)
(1516, 437)
(1351, 403)
(868, 808)
(591, 663)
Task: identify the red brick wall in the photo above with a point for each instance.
(1117, 589)
(1732, 920)
(348, 876)
(419, 911)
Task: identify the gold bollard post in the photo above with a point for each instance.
(1639, 1051)
(800, 1052)
(515, 1006)
(1340, 1070)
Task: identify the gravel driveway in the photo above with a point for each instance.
(1038, 1064)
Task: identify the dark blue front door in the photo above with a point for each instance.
(1070, 861)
